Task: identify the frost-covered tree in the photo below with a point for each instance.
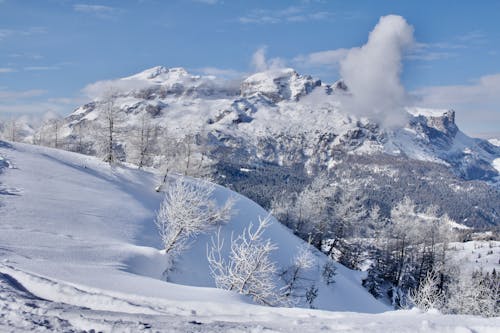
(10, 130)
(141, 141)
(248, 269)
(474, 294)
(106, 128)
(428, 294)
(296, 282)
(188, 209)
(412, 244)
(48, 133)
(187, 154)
(78, 144)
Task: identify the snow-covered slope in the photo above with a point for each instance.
(477, 255)
(76, 219)
(79, 250)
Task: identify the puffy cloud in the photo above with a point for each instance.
(221, 72)
(328, 58)
(372, 72)
(103, 89)
(260, 63)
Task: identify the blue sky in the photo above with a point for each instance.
(52, 49)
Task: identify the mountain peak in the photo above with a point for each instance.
(159, 73)
(279, 84)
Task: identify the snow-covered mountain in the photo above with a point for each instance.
(79, 251)
(282, 102)
(284, 119)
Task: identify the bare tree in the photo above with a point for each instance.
(10, 130)
(328, 272)
(52, 127)
(141, 141)
(187, 210)
(428, 294)
(248, 270)
(106, 127)
(78, 131)
(296, 282)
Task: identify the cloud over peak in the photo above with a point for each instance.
(372, 71)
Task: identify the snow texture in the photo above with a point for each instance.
(79, 250)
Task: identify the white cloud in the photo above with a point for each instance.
(221, 72)
(472, 37)
(32, 102)
(7, 70)
(207, 2)
(483, 90)
(13, 95)
(372, 72)
(329, 58)
(41, 68)
(6, 33)
(431, 56)
(291, 14)
(101, 89)
(32, 56)
(477, 104)
(97, 10)
(260, 63)
(31, 108)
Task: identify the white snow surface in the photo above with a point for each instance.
(418, 111)
(79, 251)
(495, 142)
(496, 164)
(476, 255)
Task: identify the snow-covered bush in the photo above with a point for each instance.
(248, 269)
(188, 209)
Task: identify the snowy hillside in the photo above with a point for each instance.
(79, 250)
(476, 255)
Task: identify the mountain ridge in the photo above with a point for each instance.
(290, 126)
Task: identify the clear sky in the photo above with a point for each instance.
(51, 49)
